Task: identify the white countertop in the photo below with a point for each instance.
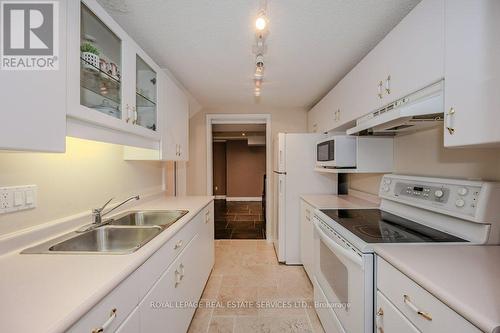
(50, 292)
(354, 200)
(466, 278)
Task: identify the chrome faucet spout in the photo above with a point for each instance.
(97, 213)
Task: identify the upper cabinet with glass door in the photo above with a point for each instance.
(145, 112)
(100, 65)
(112, 94)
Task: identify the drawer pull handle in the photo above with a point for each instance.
(108, 322)
(179, 275)
(412, 306)
(380, 314)
(178, 245)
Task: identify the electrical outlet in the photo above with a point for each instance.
(5, 200)
(16, 198)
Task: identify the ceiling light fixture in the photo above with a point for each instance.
(261, 26)
(261, 22)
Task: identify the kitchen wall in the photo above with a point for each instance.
(246, 167)
(219, 168)
(84, 177)
(422, 153)
(283, 120)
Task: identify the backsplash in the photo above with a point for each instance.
(86, 176)
(422, 153)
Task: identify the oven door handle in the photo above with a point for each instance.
(337, 248)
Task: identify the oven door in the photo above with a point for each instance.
(340, 272)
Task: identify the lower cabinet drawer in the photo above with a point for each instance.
(108, 314)
(389, 319)
(152, 269)
(425, 311)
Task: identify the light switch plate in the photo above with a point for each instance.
(15, 198)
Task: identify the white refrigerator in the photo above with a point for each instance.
(294, 175)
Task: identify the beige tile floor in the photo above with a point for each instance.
(248, 291)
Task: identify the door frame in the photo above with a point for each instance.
(240, 118)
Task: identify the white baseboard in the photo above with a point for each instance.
(217, 197)
(243, 198)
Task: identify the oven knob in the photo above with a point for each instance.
(385, 188)
(438, 194)
(460, 203)
(387, 181)
(462, 191)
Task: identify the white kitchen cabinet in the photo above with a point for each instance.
(388, 319)
(163, 291)
(167, 304)
(412, 54)
(427, 313)
(472, 71)
(173, 111)
(409, 58)
(175, 142)
(307, 238)
(33, 109)
(108, 99)
(207, 234)
(313, 120)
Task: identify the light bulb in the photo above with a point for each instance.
(260, 23)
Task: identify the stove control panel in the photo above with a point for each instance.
(454, 196)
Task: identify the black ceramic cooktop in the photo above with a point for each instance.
(377, 226)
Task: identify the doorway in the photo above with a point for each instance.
(237, 167)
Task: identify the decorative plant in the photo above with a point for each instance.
(88, 47)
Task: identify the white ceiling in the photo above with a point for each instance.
(207, 44)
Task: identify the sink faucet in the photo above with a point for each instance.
(97, 213)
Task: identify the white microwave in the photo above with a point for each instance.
(337, 151)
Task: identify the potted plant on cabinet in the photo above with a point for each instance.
(90, 54)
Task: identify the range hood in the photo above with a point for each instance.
(420, 110)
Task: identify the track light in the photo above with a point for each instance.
(261, 22)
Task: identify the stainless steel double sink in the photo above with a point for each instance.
(123, 234)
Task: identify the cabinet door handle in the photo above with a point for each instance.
(412, 306)
(449, 121)
(178, 244)
(178, 278)
(207, 217)
(127, 109)
(380, 314)
(388, 85)
(106, 324)
(135, 115)
(180, 150)
(380, 93)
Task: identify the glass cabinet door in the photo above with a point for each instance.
(146, 86)
(100, 66)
